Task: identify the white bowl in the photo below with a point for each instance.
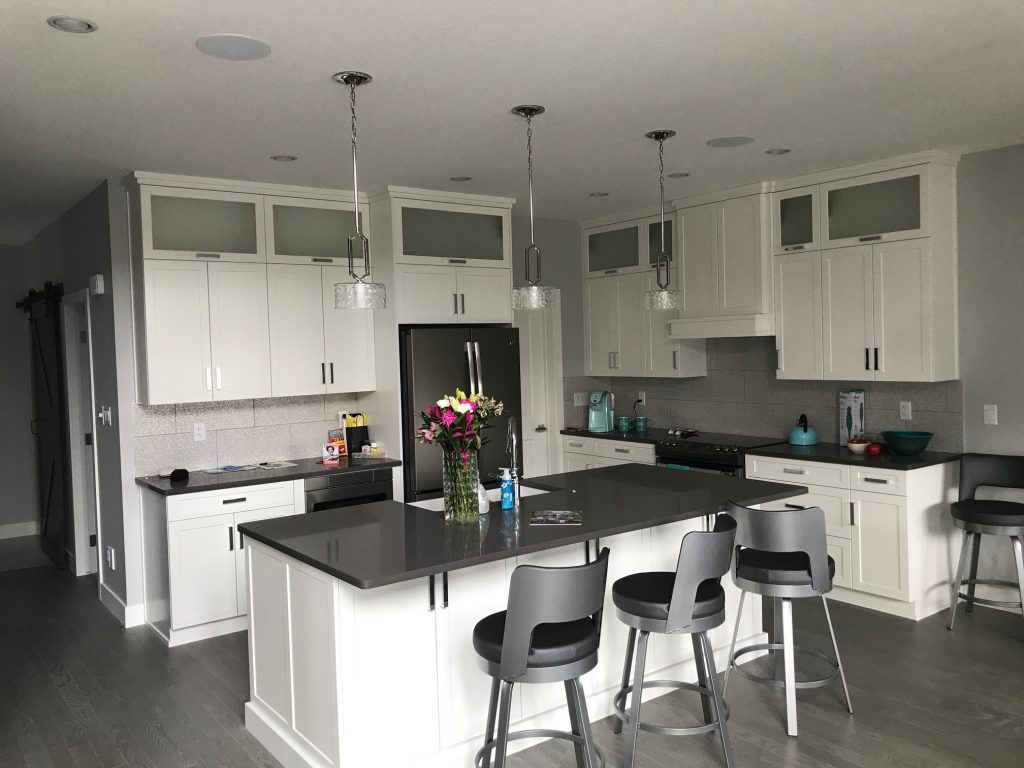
(858, 448)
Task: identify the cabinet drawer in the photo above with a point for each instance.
(841, 550)
(834, 502)
(799, 472)
(879, 480)
(572, 444)
(231, 500)
(638, 452)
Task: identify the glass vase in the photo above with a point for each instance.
(461, 476)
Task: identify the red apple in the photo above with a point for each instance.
(874, 449)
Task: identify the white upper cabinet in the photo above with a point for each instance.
(795, 220)
(629, 357)
(601, 324)
(798, 312)
(348, 340)
(425, 294)
(664, 357)
(302, 231)
(901, 315)
(613, 248)
(429, 232)
(698, 260)
(485, 295)
(239, 331)
(848, 311)
(196, 224)
(298, 365)
(742, 256)
(892, 205)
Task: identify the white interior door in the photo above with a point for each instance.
(740, 252)
(798, 315)
(601, 307)
(698, 260)
(348, 340)
(297, 364)
(426, 294)
(902, 330)
(239, 331)
(848, 334)
(540, 366)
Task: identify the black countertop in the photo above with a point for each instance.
(201, 481)
(651, 436)
(386, 542)
(834, 453)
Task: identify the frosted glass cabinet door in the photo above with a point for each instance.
(880, 207)
(201, 225)
(796, 220)
(444, 233)
(348, 340)
(308, 231)
(297, 362)
(178, 367)
(239, 331)
(613, 249)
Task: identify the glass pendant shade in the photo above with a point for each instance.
(663, 299)
(359, 296)
(532, 297)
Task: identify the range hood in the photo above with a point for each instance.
(721, 327)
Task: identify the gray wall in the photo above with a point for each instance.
(560, 244)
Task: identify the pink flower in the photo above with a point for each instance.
(448, 417)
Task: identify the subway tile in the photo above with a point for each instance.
(749, 353)
(923, 396)
(288, 410)
(333, 404)
(948, 429)
(308, 439)
(174, 451)
(955, 396)
(575, 415)
(154, 420)
(723, 386)
(227, 414)
(827, 392)
(876, 420)
(762, 387)
(695, 414)
(255, 444)
(745, 419)
(658, 412)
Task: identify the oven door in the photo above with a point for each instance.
(335, 491)
(700, 466)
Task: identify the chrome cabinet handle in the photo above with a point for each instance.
(869, 238)
(867, 359)
(209, 380)
(790, 471)
(575, 445)
(789, 248)
(876, 358)
(462, 299)
(611, 271)
(456, 261)
(332, 373)
(455, 303)
(207, 255)
(318, 260)
(793, 506)
(220, 383)
(611, 364)
(239, 500)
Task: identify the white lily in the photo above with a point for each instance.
(442, 403)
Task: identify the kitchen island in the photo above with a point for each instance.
(361, 619)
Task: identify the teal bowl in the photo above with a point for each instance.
(907, 442)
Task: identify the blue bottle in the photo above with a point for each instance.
(508, 493)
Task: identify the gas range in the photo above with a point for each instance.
(708, 451)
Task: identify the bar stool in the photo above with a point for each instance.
(980, 517)
(690, 601)
(549, 633)
(783, 555)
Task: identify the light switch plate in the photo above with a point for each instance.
(642, 397)
(992, 415)
(579, 398)
(906, 414)
(199, 431)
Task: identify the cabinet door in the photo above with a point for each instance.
(698, 260)
(848, 333)
(297, 361)
(239, 331)
(348, 340)
(613, 249)
(447, 233)
(798, 320)
(193, 224)
(741, 256)
(665, 357)
(309, 231)
(201, 565)
(834, 502)
(878, 207)
(902, 327)
(795, 215)
(880, 556)
(241, 571)
(178, 367)
(426, 294)
(574, 462)
(632, 319)
(841, 551)
(601, 320)
(485, 295)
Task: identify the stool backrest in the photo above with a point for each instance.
(703, 555)
(998, 471)
(786, 530)
(539, 595)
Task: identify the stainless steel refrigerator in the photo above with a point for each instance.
(436, 361)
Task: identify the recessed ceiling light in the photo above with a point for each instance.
(599, 194)
(460, 178)
(284, 158)
(72, 24)
(729, 141)
(679, 175)
(777, 151)
(233, 47)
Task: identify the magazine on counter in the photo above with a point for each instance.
(556, 517)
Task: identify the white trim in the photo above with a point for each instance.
(721, 327)
(138, 178)
(618, 218)
(721, 195)
(128, 615)
(441, 196)
(863, 169)
(17, 530)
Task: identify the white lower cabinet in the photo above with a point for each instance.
(201, 553)
(590, 452)
(881, 553)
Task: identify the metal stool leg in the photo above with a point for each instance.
(975, 554)
(492, 715)
(835, 647)
(1018, 554)
(717, 697)
(702, 676)
(504, 716)
(732, 645)
(574, 722)
(958, 579)
(630, 645)
(589, 753)
(634, 709)
(790, 665)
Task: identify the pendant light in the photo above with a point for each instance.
(358, 294)
(532, 295)
(663, 297)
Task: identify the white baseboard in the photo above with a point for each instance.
(128, 615)
(17, 530)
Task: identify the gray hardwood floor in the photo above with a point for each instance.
(79, 691)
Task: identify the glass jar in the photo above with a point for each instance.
(460, 473)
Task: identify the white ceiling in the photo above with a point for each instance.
(839, 82)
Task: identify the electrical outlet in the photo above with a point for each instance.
(642, 397)
(906, 414)
(991, 415)
(198, 431)
(579, 398)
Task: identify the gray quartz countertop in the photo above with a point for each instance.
(834, 453)
(201, 481)
(651, 436)
(386, 542)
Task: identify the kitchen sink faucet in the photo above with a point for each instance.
(512, 448)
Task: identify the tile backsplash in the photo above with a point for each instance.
(237, 431)
(740, 395)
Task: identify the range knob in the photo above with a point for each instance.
(718, 448)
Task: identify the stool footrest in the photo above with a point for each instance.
(536, 733)
(819, 683)
(986, 601)
(619, 705)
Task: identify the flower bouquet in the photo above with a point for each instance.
(455, 423)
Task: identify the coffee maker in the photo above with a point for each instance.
(601, 414)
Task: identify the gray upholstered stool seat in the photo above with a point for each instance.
(649, 595)
(552, 644)
(792, 568)
(988, 512)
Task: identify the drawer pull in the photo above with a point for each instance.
(878, 480)
(456, 261)
(207, 255)
(623, 450)
(790, 248)
(317, 260)
(575, 445)
(853, 506)
(870, 238)
(793, 506)
(239, 500)
(790, 471)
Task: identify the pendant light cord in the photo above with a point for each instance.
(364, 243)
(532, 248)
(662, 256)
(355, 162)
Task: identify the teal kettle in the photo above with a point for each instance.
(802, 434)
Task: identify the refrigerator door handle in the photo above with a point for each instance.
(472, 368)
(479, 368)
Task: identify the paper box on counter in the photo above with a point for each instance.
(851, 414)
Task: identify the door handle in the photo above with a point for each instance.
(455, 303)
(462, 299)
(472, 369)
(867, 359)
(209, 380)
(241, 540)
(876, 480)
(231, 538)
(323, 373)
(219, 380)
(869, 238)
(853, 506)
(540, 428)
(789, 248)
(239, 500)
(479, 368)
(207, 255)
(876, 358)
(332, 373)
(675, 359)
